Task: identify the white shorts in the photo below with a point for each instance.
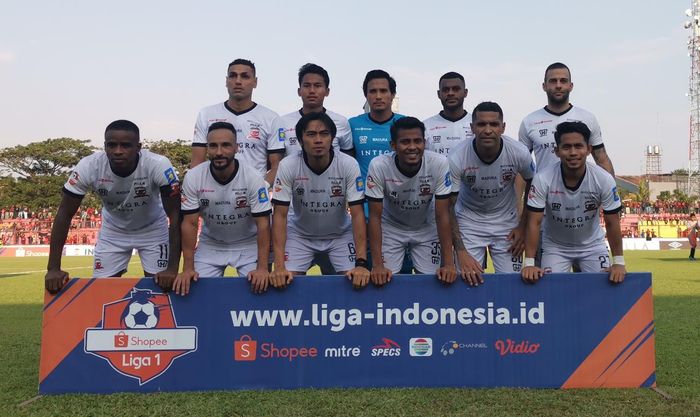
(113, 251)
(592, 259)
(299, 252)
(422, 244)
(212, 260)
(476, 244)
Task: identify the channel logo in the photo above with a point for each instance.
(421, 346)
(387, 348)
(450, 347)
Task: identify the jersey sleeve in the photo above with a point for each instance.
(610, 200)
(354, 183)
(190, 198)
(165, 174)
(537, 198)
(443, 187)
(258, 198)
(283, 182)
(79, 182)
(596, 140)
(455, 172)
(276, 136)
(527, 165)
(375, 182)
(200, 130)
(523, 137)
(344, 135)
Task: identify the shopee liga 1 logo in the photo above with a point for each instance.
(139, 336)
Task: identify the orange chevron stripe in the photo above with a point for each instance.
(65, 321)
(615, 362)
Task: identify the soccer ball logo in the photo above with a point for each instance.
(141, 313)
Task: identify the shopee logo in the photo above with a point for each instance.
(245, 349)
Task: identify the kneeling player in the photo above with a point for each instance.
(318, 183)
(408, 193)
(231, 198)
(571, 194)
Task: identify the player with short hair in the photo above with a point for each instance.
(140, 194)
(692, 227)
(408, 193)
(318, 183)
(314, 87)
(452, 125)
(537, 129)
(484, 212)
(231, 199)
(257, 144)
(569, 195)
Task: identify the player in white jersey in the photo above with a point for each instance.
(483, 195)
(537, 129)
(231, 198)
(408, 193)
(452, 125)
(131, 183)
(257, 143)
(313, 89)
(569, 195)
(318, 183)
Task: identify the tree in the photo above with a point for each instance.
(664, 196)
(178, 152)
(49, 157)
(680, 172)
(643, 191)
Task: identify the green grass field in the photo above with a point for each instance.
(677, 313)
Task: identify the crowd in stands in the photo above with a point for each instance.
(23, 226)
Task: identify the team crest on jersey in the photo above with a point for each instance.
(241, 202)
(140, 192)
(507, 174)
(139, 336)
(425, 189)
(359, 184)
(74, 177)
(336, 188)
(262, 195)
(370, 182)
(98, 264)
(254, 133)
(170, 175)
(590, 205)
(204, 202)
(543, 132)
(532, 193)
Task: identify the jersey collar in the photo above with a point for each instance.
(239, 113)
(369, 116)
(571, 106)
(138, 159)
(301, 113)
(229, 179)
(406, 174)
(578, 184)
(449, 119)
(306, 162)
(500, 149)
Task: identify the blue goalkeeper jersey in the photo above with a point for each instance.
(370, 138)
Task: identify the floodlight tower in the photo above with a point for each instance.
(693, 24)
(653, 160)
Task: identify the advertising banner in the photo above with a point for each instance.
(566, 331)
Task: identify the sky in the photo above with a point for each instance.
(69, 68)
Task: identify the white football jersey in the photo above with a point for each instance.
(129, 204)
(572, 216)
(442, 134)
(486, 191)
(254, 132)
(408, 201)
(284, 132)
(319, 199)
(226, 208)
(537, 132)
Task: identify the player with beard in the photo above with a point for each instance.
(318, 183)
(408, 193)
(452, 125)
(569, 196)
(140, 195)
(231, 199)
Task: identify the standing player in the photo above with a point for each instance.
(570, 194)
(370, 131)
(408, 194)
(452, 125)
(131, 183)
(537, 129)
(231, 198)
(692, 227)
(313, 89)
(320, 183)
(256, 142)
(483, 195)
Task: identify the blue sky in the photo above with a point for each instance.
(69, 68)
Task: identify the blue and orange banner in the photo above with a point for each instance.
(567, 331)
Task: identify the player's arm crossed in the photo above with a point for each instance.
(170, 195)
(56, 278)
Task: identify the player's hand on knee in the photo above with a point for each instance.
(165, 279)
(447, 274)
(55, 279)
(359, 276)
(259, 279)
(531, 274)
(516, 237)
(470, 269)
(181, 285)
(380, 275)
(617, 273)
